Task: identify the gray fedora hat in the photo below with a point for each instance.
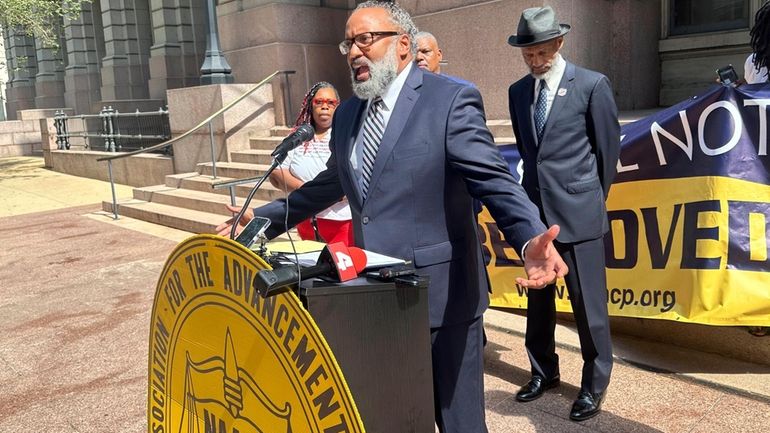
(537, 25)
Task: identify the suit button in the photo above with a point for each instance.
(539, 161)
(365, 220)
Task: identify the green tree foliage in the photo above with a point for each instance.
(39, 18)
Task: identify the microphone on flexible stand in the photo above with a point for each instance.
(336, 261)
(300, 135)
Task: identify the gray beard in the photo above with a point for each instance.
(381, 74)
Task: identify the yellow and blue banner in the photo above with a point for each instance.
(689, 212)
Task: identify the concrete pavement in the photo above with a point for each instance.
(76, 290)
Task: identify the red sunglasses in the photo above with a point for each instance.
(321, 101)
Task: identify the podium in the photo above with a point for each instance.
(350, 357)
(380, 335)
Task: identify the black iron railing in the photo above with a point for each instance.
(113, 131)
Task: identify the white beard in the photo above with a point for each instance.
(544, 76)
(381, 74)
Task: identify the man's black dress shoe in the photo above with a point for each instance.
(586, 406)
(536, 387)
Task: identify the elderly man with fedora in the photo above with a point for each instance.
(566, 126)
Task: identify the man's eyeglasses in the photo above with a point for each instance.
(363, 40)
(317, 102)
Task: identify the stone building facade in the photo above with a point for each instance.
(127, 53)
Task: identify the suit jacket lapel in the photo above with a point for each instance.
(398, 118)
(567, 83)
(349, 136)
(528, 120)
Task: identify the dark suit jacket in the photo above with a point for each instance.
(569, 174)
(435, 155)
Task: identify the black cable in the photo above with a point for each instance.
(285, 190)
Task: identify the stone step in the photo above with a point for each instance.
(236, 170)
(265, 143)
(280, 131)
(504, 140)
(190, 220)
(198, 182)
(190, 199)
(252, 156)
(625, 117)
(263, 146)
(500, 128)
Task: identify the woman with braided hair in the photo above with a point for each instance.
(307, 160)
(755, 69)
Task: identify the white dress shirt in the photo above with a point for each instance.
(552, 80)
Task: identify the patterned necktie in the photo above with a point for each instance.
(540, 108)
(374, 126)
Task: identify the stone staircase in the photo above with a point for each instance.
(188, 201)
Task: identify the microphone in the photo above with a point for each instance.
(302, 134)
(336, 261)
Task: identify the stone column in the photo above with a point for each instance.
(49, 80)
(22, 68)
(3, 78)
(85, 48)
(179, 34)
(127, 39)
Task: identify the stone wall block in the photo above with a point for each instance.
(189, 106)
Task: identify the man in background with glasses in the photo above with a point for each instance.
(410, 151)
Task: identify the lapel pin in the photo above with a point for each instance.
(562, 91)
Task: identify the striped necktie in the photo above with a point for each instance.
(374, 126)
(540, 109)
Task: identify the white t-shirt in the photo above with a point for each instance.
(306, 161)
(750, 73)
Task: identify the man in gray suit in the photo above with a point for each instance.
(566, 126)
(410, 151)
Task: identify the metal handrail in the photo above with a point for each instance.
(200, 125)
(168, 143)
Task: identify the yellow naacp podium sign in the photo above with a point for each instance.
(224, 359)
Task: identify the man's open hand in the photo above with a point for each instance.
(542, 262)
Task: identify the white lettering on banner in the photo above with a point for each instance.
(656, 130)
(762, 104)
(520, 170)
(686, 143)
(623, 168)
(344, 261)
(737, 125)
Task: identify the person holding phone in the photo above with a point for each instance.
(755, 68)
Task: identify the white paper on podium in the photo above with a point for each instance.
(373, 260)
